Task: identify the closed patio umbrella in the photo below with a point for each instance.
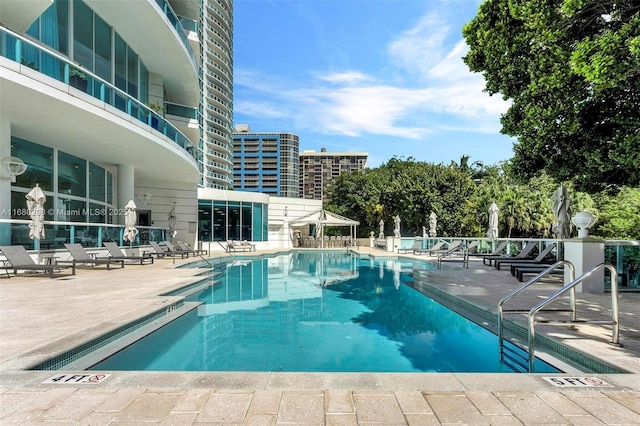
(130, 218)
(35, 205)
(561, 227)
(173, 221)
(492, 232)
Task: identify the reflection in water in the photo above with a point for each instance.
(315, 312)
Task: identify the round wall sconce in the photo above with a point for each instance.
(14, 167)
(145, 196)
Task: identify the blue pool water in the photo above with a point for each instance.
(316, 312)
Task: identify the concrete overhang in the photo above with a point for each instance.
(160, 47)
(51, 113)
(18, 15)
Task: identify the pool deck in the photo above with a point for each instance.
(42, 317)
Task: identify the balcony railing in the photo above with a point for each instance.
(177, 25)
(50, 63)
(90, 235)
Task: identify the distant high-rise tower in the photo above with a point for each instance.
(216, 44)
(266, 162)
(317, 169)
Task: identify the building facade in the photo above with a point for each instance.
(317, 169)
(216, 51)
(266, 162)
(98, 117)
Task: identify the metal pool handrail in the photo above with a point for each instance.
(615, 339)
(502, 311)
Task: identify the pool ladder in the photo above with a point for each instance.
(508, 356)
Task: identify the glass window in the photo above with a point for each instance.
(72, 173)
(144, 84)
(39, 161)
(103, 53)
(204, 220)
(83, 35)
(54, 24)
(96, 182)
(257, 222)
(265, 222)
(109, 188)
(132, 73)
(219, 221)
(75, 210)
(97, 213)
(120, 57)
(246, 221)
(233, 222)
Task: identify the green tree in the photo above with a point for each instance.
(619, 215)
(571, 75)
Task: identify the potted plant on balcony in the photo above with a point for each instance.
(78, 78)
(159, 109)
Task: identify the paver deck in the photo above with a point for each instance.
(42, 317)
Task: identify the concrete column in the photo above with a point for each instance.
(125, 187)
(585, 254)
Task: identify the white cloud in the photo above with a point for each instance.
(355, 103)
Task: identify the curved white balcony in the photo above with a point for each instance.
(163, 47)
(107, 127)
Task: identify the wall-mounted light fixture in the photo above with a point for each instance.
(13, 166)
(286, 210)
(145, 196)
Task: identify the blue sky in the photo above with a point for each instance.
(378, 76)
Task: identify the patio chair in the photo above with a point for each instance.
(233, 246)
(451, 248)
(538, 260)
(81, 257)
(417, 245)
(184, 246)
(19, 260)
(162, 251)
(497, 252)
(116, 253)
(436, 246)
(521, 255)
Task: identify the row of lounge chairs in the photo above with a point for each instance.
(16, 258)
(524, 263)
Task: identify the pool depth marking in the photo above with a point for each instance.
(91, 379)
(576, 382)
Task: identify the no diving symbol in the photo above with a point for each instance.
(97, 378)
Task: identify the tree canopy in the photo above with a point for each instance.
(571, 70)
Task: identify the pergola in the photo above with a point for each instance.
(322, 218)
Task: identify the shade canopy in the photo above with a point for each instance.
(322, 218)
(492, 232)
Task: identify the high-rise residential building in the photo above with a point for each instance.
(266, 162)
(317, 169)
(103, 102)
(216, 47)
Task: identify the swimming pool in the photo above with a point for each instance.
(315, 312)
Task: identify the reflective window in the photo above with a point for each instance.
(257, 222)
(109, 188)
(83, 35)
(233, 221)
(204, 220)
(96, 182)
(72, 173)
(39, 161)
(219, 221)
(246, 222)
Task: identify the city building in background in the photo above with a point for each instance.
(216, 47)
(317, 169)
(266, 162)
